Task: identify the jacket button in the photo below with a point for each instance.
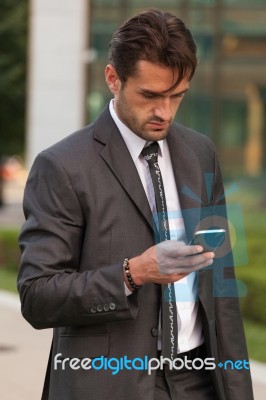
(106, 307)
(99, 308)
(154, 332)
(112, 306)
(93, 310)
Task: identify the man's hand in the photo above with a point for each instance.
(168, 262)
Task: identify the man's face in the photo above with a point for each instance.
(146, 103)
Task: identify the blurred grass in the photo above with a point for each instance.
(251, 195)
(8, 280)
(256, 340)
(9, 259)
(9, 250)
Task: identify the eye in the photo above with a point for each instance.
(150, 95)
(178, 96)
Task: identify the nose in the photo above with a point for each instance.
(162, 109)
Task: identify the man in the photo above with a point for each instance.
(95, 263)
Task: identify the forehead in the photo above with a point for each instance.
(157, 78)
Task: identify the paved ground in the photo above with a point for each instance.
(23, 350)
(23, 353)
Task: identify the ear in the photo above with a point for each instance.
(112, 79)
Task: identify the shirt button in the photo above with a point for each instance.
(106, 307)
(99, 308)
(154, 332)
(93, 310)
(112, 306)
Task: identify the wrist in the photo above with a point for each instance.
(135, 270)
(126, 280)
(132, 282)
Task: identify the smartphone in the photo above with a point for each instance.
(209, 239)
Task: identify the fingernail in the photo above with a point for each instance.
(199, 249)
(210, 262)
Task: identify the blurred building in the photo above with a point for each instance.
(57, 71)
(228, 96)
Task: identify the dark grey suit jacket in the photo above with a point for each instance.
(86, 211)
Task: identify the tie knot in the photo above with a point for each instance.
(150, 153)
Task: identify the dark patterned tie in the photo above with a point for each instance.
(169, 310)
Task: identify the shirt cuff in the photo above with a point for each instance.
(127, 291)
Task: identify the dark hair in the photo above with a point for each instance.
(155, 36)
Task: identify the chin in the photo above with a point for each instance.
(157, 135)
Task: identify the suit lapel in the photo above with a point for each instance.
(118, 158)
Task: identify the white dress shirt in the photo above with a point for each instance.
(188, 321)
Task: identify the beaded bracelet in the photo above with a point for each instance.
(129, 277)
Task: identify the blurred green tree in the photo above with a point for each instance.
(13, 56)
(13, 50)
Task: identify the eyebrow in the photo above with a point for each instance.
(151, 93)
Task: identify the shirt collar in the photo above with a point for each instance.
(134, 143)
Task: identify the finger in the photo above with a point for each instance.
(187, 264)
(200, 266)
(185, 251)
(197, 259)
(172, 248)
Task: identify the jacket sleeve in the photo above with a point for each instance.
(52, 290)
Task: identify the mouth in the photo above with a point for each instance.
(159, 126)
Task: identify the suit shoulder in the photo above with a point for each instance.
(69, 153)
(192, 135)
(72, 145)
(80, 145)
(194, 138)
